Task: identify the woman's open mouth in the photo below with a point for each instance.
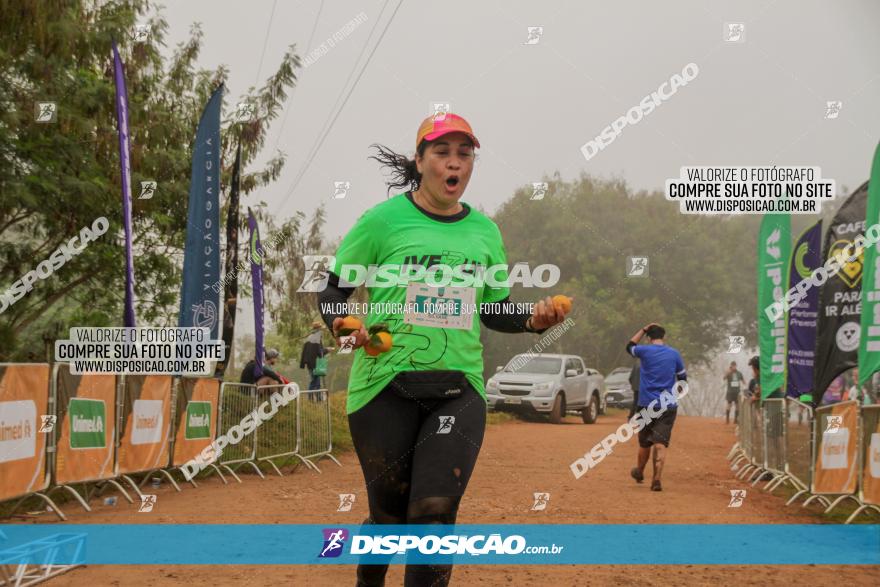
(452, 182)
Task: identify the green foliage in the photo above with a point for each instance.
(57, 178)
(700, 287)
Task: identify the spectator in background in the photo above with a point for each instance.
(311, 351)
(634, 384)
(858, 393)
(734, 380)
(269, 376)
(836, 391)
(754, 390)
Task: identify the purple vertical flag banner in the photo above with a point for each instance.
(128, 317)
(255, 252)
(199, 299)
(803, 317)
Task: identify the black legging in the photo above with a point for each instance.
(416, 473)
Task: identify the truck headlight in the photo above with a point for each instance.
(492, 384)
(546, 386)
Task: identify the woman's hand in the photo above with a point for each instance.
(361, 336)
(546, 314)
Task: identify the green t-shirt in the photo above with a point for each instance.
(398, 233)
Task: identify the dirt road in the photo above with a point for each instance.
(517, 460)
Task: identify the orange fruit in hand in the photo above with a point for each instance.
(562, 303)
(380, 340)
(349, 324)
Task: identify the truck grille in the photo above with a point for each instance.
(515, 391)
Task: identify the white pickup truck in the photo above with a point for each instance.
(551, 384)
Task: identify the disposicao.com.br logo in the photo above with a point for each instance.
(450, 544)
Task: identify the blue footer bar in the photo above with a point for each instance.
(509, 544)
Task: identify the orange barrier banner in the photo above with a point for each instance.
(24, 400)
(836, 470)
(197, 401)
(146, 423)
(871, 455)
(87, 426)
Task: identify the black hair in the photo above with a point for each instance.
(404, 173)
(755, 362)
(656, 332)
(733, 363)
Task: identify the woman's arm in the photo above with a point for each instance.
(503, 316)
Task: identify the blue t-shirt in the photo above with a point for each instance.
(661, 367)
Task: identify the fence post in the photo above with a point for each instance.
(314, 425)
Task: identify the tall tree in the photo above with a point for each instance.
(58, 177)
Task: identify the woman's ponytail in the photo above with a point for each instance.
(404, 173)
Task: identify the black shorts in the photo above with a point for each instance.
(415, 448)
(732, 396)
(658, 430)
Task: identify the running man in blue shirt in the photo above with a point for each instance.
(661, 367)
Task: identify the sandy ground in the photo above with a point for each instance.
(697, 483)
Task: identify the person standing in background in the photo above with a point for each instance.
(312, 349)
(734, 380)
(856, 392)
(754, 389)
(634, 384)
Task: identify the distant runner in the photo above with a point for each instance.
(661, 367)
(734, 380)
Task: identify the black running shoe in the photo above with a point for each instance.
(655, 485)
(637, 475)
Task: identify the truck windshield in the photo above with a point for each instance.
(542, 365)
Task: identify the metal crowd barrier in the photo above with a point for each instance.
(277, 437)
(299, 430)
(237, 400)
(820, 427)
(799, 448)
(314, 436)
(60, 401)
(869, 461)
(753, 437)
(741, 452)
(44, 442)
(773, 412)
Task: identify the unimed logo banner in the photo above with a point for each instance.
(86, 426)
(24, 397)
(195, 419)
(198, 420)
(18, 430)
(147, 416)
(871, 469)
(88, 423)
(836, 459)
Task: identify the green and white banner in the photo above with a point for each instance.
(869, 341)
(88, 423)
(198, 420)
(774, 251)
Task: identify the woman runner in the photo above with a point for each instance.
(417, 412)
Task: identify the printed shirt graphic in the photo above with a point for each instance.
(660, 365)
(394, 232)
(734, 381)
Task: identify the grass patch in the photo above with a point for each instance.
(837, 516)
